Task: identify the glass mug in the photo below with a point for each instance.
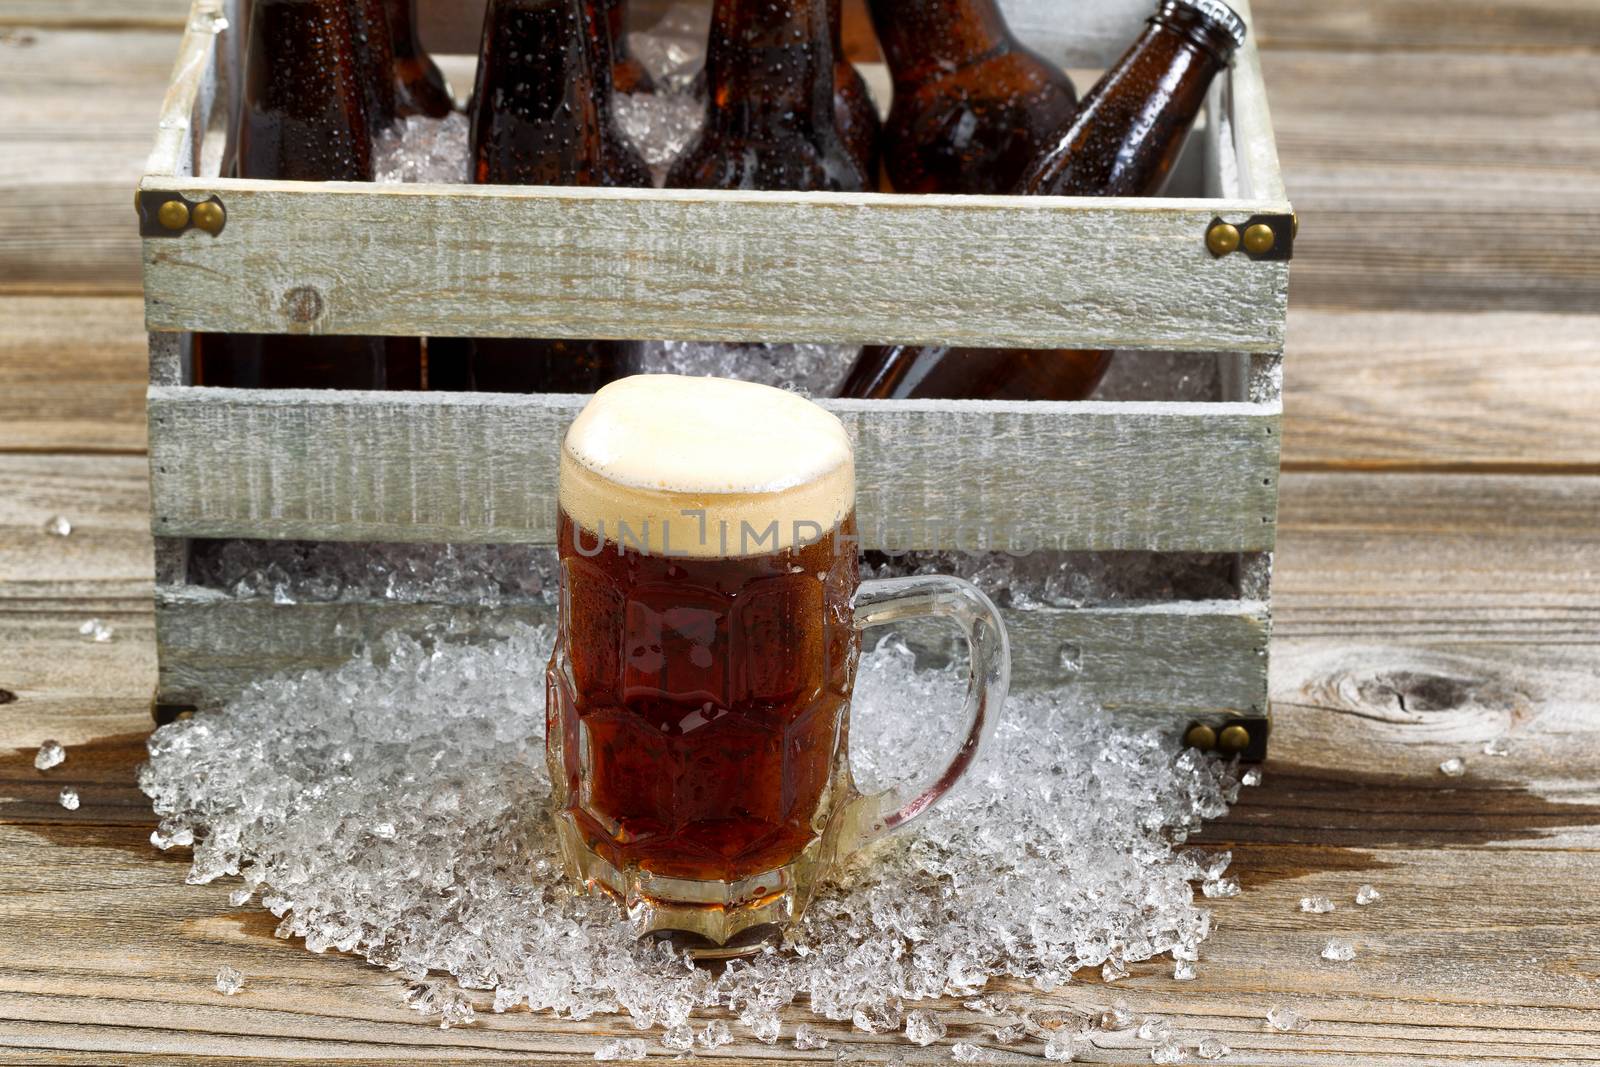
(710, 619)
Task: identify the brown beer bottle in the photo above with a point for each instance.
(303, 118)
(374, 48)
(853, 108)
(543, 116)
(1122, 142)
(627, 73)
(420, 88)
(972, 106)
(770, 116)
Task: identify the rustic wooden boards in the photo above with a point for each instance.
(96, 406)
(932, 474)
(1470, 957)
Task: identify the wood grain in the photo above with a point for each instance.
(79, 118)
(72, 374)
(692, 265)
(1501, 391)
(1474, 192)
(1421, 25)
(108, 555)
(442, 467)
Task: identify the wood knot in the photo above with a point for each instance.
(1436, 695)
(7, 697)
(303, 305)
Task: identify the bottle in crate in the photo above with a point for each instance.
(972, 106)
(1123, 141)
(304, 117)
(375, 60)
(420, 88)
(771, 119)
(542, 115)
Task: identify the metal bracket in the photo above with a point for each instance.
(172, 214)
(1261, 237)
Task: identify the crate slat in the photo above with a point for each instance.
(1204, 658)
(354, 258)
(433, 467)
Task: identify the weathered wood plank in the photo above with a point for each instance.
(1429, 390)
(443, 467)
(685, 264)
(96, 14)
(109, 553)
(1167, 662)
(72, 374)
(80, 114)
(1422, 25)
(1393, 213)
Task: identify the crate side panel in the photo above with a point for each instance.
(826, 267)
(1173, 660)
(470, 467)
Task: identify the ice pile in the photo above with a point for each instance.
(400, 812)
(292, 572)
(812, 370)
(423, 149)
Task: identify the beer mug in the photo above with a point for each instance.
(710, 625)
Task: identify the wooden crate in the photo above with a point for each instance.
(354, 258)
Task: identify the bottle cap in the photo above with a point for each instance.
(1220, 14)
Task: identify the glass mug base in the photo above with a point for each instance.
(710, 919)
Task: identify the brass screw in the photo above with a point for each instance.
(1222, 238)
(209, 216)
(174, 215)
(1234, 738)
(1201, 736)
(1259, 239)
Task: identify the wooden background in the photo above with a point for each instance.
(1439, 581)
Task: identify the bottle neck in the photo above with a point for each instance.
(403, 27)
(543, 99)
(303, 116)
(771, 61)
(922, 39)
(1130, 126)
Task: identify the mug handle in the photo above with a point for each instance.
(881, 602)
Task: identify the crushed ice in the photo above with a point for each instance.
(396, 807)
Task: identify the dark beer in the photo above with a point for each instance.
(699, 690)
(770, 121)
(710, 697)
(972, 106)
(854, 110)
(1122, 142)
(543, 116)
(303, 118)
(420, 88)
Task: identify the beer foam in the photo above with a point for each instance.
(705, 467)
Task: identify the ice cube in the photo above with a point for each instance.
(69, 799)
(808, 1038)
(50, 754)
(1367, 894)
(1338, 950)
(1316, 905)
(58, 526)
(924, 1027)
(622, 1048)
(1286, 1020)
(1454, 767)
(229, 981)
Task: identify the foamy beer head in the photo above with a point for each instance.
(705, 467)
